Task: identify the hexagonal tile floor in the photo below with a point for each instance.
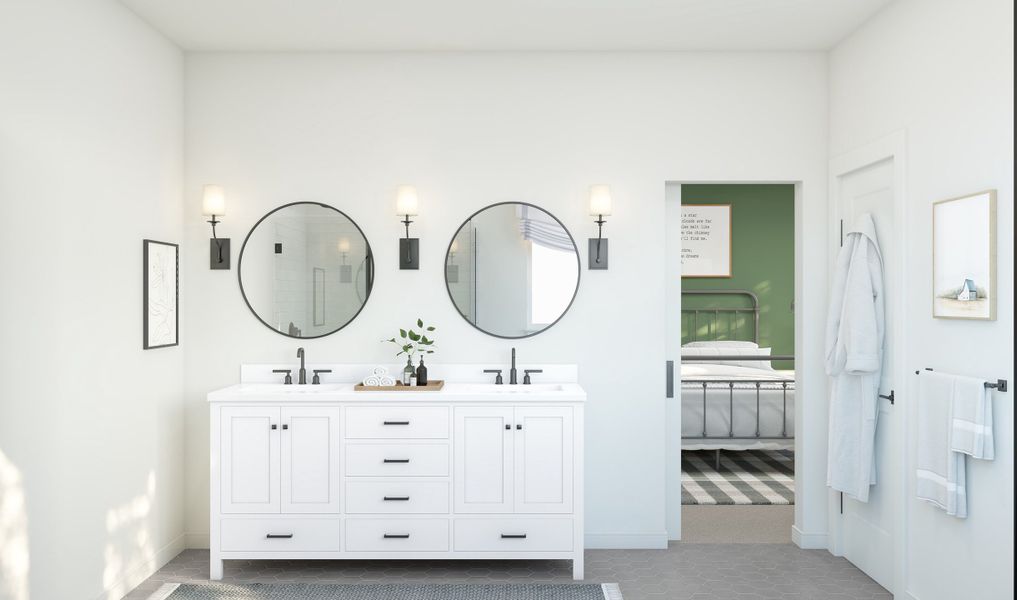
(682, 572)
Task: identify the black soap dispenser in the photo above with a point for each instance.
(421, 373)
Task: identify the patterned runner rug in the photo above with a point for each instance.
(744, 477)
(317, 591)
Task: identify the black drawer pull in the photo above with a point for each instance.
(396, 498)
(396, 536)
(513, 536)
(395, 423)
(279, 536)
(396, 460)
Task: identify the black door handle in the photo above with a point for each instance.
(670, 379)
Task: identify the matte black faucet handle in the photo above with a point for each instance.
(526, 375)
(289, 375)
(497, 380)
(317, 379)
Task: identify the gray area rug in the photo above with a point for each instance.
(309, 591)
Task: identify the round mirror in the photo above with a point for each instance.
(512, 270)
(306, 270)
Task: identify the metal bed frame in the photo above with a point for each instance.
(733, 315)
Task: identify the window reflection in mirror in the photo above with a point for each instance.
(512, 270)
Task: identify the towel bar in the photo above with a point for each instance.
(999, 386)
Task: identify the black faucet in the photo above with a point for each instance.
(302, 375)
(512, 372)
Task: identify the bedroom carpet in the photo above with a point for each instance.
(745, 477)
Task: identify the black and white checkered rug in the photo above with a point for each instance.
(744, 477)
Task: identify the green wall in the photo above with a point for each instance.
(763, 255)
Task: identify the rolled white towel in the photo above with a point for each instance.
(372, 381)
(380, 371)
(387, 381)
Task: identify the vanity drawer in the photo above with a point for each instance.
(508, 535)
(397, 535)
(397, 422)
(374, 460)
(412, 496)
(279, 535)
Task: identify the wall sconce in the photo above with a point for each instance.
(409, 248)
(345, 270)
(600, 207)
(452, 269)
(213, 204)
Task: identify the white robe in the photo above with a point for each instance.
(854, 357)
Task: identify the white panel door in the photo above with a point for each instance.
(868, 527)
(310, 459)
(543, 459)
(250, 459)
(483, 459)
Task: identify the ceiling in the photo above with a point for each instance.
(506, 25)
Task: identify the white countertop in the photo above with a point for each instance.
(463, 383)
(451, 392)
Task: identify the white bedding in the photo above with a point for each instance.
(772, 419)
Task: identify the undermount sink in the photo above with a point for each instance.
(534, 388)
(263, 388)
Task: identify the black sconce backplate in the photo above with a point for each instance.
(591, 262)
(409, 253)
(213, 254)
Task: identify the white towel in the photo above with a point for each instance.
(380, 371)
(971, 418)
(386, 381)
(372, 381)
(940, 476)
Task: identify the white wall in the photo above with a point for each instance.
(943, 72)
(91, 426)
(470, 130)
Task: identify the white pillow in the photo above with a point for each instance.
(731, 351)
(721, 344)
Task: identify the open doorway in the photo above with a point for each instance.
(731, 335)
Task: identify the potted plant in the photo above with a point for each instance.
(412, 343)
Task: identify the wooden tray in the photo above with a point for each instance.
(432, 386)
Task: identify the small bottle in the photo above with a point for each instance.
(421, 373)
(408, 372)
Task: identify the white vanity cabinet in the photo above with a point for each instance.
(411, 475)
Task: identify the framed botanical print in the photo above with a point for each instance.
(964, 257)
(161, 294)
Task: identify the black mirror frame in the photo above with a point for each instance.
(579, 271)
(370, 272)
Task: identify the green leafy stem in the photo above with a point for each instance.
(410, 342)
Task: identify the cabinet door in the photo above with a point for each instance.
(249, 459)
(310, 459)
(483, 459)
(543, 459)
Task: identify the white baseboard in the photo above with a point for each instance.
(130, 578)
(808, 541)
(197, 541)
(626, 541)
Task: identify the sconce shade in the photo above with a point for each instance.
(343, 245)
(213, 201)
(600, 200)
(406, 200)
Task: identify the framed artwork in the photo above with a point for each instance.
(161, 294)
(964, 257)
(706, 240)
